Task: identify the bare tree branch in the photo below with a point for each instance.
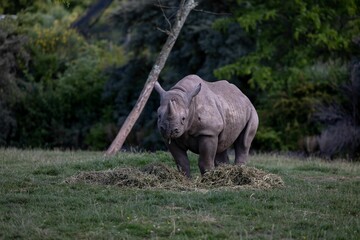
(213, 13)
(163, 12)
(195, 10)
(183, 12)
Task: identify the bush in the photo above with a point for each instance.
(340, 119)
(301, 48)
(63, 103)
(14, 58)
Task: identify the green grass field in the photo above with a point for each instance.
(320, 201)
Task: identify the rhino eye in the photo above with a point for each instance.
(182, 120)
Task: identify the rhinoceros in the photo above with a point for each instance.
(206, 118)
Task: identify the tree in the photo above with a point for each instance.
(341, 119)
(296, 42)
(14, 58)
(52, 81)
(185, 8)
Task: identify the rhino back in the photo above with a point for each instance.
(235, 109)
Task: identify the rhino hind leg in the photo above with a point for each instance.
(243, 142)
(221, 158)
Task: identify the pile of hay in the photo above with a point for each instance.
(240, 176)
(161, 176)
(151, 176)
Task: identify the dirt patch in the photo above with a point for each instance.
(164, 177)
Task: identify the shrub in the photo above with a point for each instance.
(294, 42)
(341, 119)
(13, 59)
(63, 102)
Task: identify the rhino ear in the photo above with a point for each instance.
(159, 89)
(194, 93)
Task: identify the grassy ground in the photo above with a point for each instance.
(320, 201)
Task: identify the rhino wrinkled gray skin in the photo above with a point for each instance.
(206, 118)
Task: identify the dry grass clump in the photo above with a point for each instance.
(161, 176)
(240, 176)
(164, 172)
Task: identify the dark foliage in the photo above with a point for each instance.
(123, 88)
(92, 15)
(54, 99)
(202, 48)
(287, 61)
(301, 49)
(13, 7)
(13, 59)
(341, 119)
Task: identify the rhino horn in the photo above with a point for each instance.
(193, 93)
(171, 107)
(159, 89)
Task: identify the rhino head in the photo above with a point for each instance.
(174, 112)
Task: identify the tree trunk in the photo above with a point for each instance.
(184, 10)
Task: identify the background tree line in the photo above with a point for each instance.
(297, 61)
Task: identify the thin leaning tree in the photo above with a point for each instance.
(185, 8)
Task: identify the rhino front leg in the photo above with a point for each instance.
(207, 152)
(181, 158)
